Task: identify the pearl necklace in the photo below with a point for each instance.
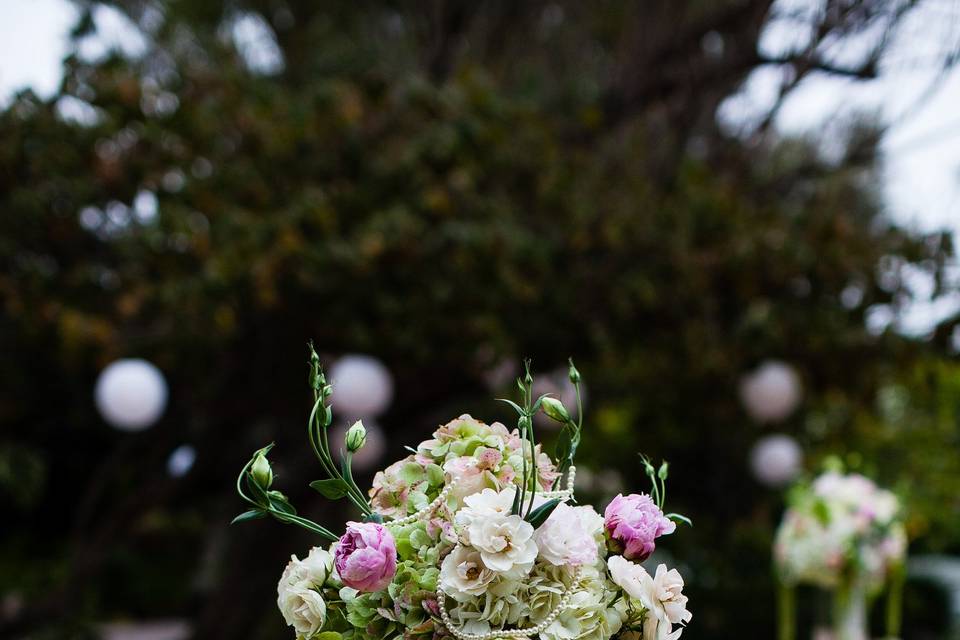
(427, 511)
(505, 633)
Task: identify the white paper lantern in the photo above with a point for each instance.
(181, 460)
(362, 387)
(771, 392)
(776, 460)
(369, 456)
(131, 394)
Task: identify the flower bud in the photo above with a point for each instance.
(555, 409)
(662, 472)
(356, 437)
(316, 378)
(261, 471)
(524, 424)
(573, 374)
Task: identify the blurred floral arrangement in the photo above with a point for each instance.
(474, 536)
(845, 534)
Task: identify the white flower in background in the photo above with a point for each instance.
(463, 574)
(842, 522)
(567, 537)
(505, 543)
(301, 604)
(662, 596)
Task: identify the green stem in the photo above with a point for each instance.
(786, 612)
(314, 429)
(353, 490)
(321, 446)
(309, 525)
(895, 601)
(535, 471)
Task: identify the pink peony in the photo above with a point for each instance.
(632, 524)
(366, 557)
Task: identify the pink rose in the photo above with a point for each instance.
(366, 557)
(632, 524)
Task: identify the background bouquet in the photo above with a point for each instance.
(474, 536)
(845, 534)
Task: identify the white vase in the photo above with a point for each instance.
(850, 611)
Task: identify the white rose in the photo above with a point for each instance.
(505, 543)
(318, 564)
(299, 601)
(462, 574)
(662, 596)
(314, 569)
(302, 608)
(567, 537)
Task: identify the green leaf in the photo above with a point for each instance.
(279, 502)
(334, 488)
(253, 514)
(539, 515)
(679, 518)
(328, 635)
(434, 475)
(536, 405)
(513, 404)
(258, 493)
(515, 507)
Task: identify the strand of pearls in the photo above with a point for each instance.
(563, 493)
(427, 511)
(506, 633)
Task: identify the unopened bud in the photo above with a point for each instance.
(573, 373)
(261, 471)
(356, 437)
(662, 473)
(316, 378)
(555, 409)
(524, 424)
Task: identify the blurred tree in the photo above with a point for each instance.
(443, 184)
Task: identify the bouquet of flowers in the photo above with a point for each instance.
(845, 534)
(473, 536)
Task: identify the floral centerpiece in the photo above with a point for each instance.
(475, 536)
(845, 534)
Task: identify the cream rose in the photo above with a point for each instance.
(298, 597)
(463, 574)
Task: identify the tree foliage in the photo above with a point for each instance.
(445, 185)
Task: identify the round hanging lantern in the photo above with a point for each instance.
(131, 394)
(776, 460)
(771, 392)
(362, 386)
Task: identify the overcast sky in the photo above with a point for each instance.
(922, 148)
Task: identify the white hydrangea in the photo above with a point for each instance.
(591, 613)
